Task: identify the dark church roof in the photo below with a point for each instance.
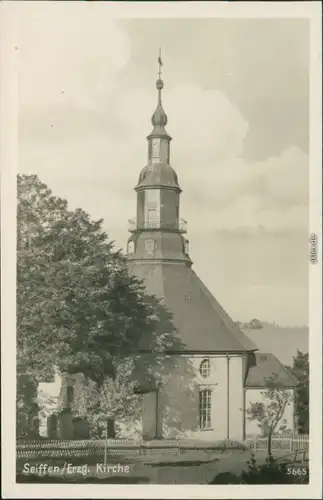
(202, 324)
(283, 342)
(161, 175)
(267, 365)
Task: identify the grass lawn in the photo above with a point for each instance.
(191, 468)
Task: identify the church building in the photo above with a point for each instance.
(215, 371)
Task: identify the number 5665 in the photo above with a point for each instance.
(297, 471)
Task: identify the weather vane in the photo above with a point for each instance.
(160, 62)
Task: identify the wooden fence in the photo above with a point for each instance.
(131, 447)
(291, 443)
(118, 447)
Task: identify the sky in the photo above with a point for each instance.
(236, 96)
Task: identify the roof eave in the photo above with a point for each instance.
(254, 386)
(200, 351)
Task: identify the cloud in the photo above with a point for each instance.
(82, 131)
(272, 193)
(70, 56)
(207, 122)
(284, 179)
(84, 118)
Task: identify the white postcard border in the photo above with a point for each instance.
(9, 42)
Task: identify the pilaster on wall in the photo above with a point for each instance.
(152, 427)
(236, 398)
(159, 414)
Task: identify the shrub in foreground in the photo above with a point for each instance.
(271, 472)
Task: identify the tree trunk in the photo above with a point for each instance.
(270, 456)
(111, 428)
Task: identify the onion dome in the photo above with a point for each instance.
(159, 118)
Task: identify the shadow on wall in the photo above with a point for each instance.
(180, 399)
(166, 381)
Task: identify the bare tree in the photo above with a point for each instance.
(269, 413)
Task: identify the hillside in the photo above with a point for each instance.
(283, 342)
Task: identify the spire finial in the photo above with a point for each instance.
(160, 63)
(159, 118)
(159, 83)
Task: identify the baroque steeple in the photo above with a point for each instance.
(158, 139)
(157, 232)
(158, 254)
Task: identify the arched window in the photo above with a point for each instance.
(205, 405)
(155, 150)
(131, 247)
(205, 368)
(152, 208)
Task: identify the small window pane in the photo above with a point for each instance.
(153, 219)
(205, 409)
(205, 368)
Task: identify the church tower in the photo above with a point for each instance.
(158, 232)
(212, 353)
(158, 250)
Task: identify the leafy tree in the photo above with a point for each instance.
(269, 413)
(114, 399)
(78, 309)
(255, 324)
(300, 370)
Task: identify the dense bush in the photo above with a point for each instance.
(228, 444)
(273, 472)
(270, 472)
